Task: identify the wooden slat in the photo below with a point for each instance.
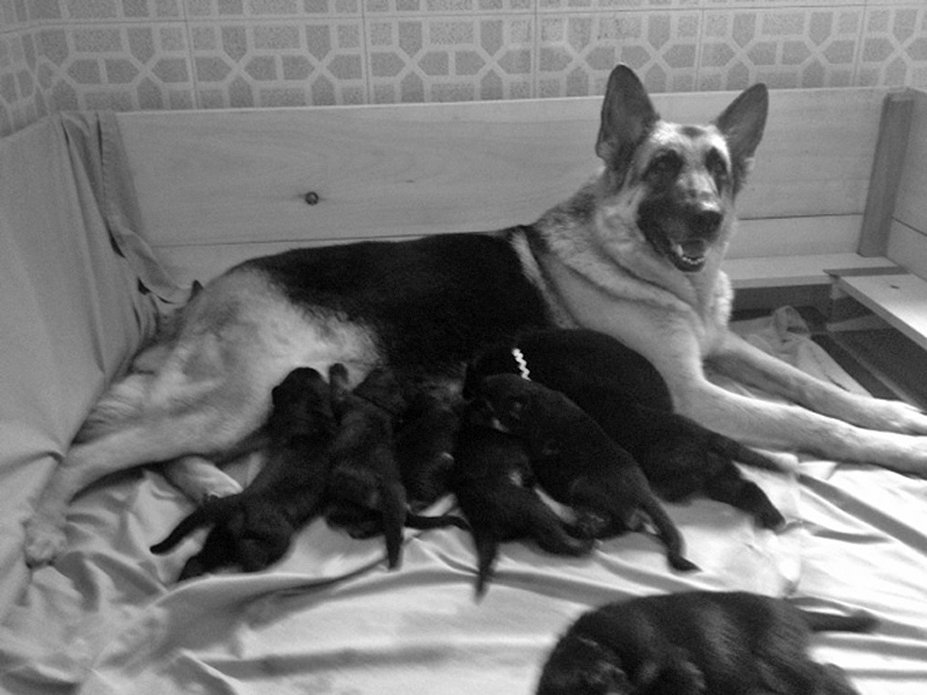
(900, 300)
(908, 248)
(907, 242)
(794, 271)
(795, 236)
(210, 177)
(894, 127)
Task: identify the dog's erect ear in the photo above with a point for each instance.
(628, 116)
(742, 124)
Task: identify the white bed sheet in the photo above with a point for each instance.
(331, 619)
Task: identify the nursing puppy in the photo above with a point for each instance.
(635, 253)
(696, 643)
(494, 485)
(628, 398)
(577, 463)
(365, 491)
(253, 529)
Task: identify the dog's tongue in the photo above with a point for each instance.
(694, 248)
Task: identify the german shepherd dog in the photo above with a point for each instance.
(635, 253)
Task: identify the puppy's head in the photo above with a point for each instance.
(581, 666)
(301, 404)
(668, 185)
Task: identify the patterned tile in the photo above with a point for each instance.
(615, 5)
(132, 54)
(104, 10)
(279, 64)
(795, 47)
(429, 7)
(895, 47)
(577, 51)
(455, 58)
(21, 99)
(115, 66)
(271, 9)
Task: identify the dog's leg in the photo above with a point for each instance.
(199, 478)
(157, 439)
(746, 363)
(790, 427)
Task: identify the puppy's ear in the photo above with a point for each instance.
(742, 123)
(628, 116)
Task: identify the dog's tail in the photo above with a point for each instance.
(208, 513)
(858, 621)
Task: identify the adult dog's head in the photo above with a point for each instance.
(668, 185)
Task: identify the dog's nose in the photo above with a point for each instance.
(706, 223)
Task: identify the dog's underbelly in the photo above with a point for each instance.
(244, 337)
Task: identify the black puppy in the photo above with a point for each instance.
(494, 486)
(623, 392)
(253, 528)
(424, 448)
(577, 463)
(365, 490)
(693, 643)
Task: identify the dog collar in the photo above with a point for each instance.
(522, 363)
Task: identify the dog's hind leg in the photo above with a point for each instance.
(199, 478)
(158, 438)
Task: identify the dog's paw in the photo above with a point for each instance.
(199, 479)
(45, 540)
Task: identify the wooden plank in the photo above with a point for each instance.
(908, 248)
(892, 144)
(795, 236)
(900, 300)
(240, 176)
(794, 271)
(911, 203)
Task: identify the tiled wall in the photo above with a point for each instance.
(182, 54)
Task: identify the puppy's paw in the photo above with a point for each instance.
(45, 540)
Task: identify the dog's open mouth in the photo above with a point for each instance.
(688, 256)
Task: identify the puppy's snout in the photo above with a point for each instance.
(706, 222)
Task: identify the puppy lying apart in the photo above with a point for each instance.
(577, 463)
(253, 528)
(693, 643)
(365, 490)
(629, 399)
(493, 483)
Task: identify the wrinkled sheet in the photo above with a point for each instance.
(330, 618)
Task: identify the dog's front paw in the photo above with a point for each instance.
(45, 540)
(908, 419)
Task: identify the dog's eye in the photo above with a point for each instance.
(665, 166)
(717, 167)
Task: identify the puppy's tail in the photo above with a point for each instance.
(208, 513)
(858, 621)
(393, 508)
(668, 533)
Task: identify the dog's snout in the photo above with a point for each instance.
(706, 222)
